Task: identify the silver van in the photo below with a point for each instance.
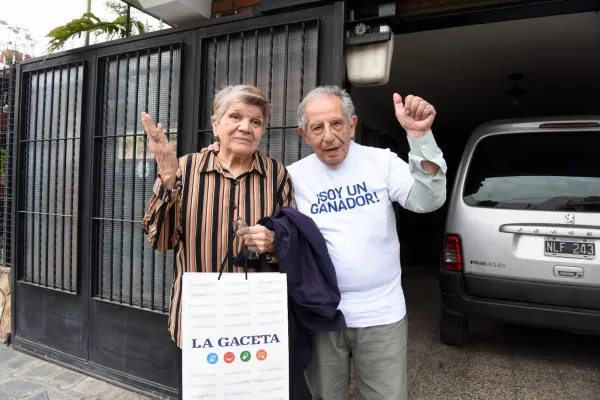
(523, 228)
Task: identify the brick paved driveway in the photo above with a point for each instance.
(500, 361)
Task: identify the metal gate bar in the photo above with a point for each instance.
(7, 130)
(281, 61)
(51, 149)
(129, 270)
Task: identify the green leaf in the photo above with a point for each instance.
(90, 23)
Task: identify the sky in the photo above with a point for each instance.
(41, 16)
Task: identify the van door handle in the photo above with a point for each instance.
(568, 272)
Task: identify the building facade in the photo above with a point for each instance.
(88, 291)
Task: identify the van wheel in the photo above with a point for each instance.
(453, 329)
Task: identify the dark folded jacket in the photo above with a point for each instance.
(313, 293)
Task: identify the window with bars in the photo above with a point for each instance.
(7, 130)
(50, 145)
(129, 271)
(282, 62)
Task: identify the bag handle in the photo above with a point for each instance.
(222, 268)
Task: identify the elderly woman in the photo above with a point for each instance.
(198, 197)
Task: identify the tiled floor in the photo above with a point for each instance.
(26, 377)
(500, 362)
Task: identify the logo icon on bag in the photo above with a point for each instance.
(229, 357)
(261, 355)
(212, 358)
(245, 356)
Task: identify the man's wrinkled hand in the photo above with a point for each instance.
(415, 115)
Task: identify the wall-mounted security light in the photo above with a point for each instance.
(369, 53)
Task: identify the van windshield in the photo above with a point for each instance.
(536, 171)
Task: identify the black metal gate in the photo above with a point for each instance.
(90, 293)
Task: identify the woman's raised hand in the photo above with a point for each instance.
(164, 152)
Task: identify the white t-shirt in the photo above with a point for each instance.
(352, 206)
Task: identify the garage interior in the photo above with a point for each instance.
(465, 72)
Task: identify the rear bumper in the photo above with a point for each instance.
(455, 299)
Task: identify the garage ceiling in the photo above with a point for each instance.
(463, 71)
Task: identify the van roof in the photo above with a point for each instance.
(518, 125)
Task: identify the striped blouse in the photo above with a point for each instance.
(197, 215)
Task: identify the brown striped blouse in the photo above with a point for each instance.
(197, 215)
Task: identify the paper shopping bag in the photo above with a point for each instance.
(235, 336)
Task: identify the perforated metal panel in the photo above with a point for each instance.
(7, 132)
(129, 271)
(282, 62)
(50, 145)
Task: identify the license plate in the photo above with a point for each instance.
(570, 248)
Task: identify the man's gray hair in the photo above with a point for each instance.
(347, 104)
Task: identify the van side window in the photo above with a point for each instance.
(555, 171)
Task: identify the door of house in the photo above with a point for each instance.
(89, 291)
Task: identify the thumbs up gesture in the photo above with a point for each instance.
(415, 115)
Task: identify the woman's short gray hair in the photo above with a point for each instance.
(248, 94)
(347, 104)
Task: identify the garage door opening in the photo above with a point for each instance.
(525, 68)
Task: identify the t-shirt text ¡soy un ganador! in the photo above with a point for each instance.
(352, 206)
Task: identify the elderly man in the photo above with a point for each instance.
(348, 190)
